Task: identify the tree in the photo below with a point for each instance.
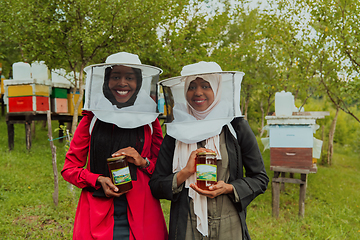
(9, 53)
(72, 34)
(339, 63)
(192, 35)
(334, 68)
(339, 21)
(239, 50)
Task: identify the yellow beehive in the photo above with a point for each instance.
(72, 99)
(28, 90)
(2, 87)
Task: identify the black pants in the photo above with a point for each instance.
(121, 223)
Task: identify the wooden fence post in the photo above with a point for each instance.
(53, 152)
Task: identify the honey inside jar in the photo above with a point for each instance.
(120, 173)
(206, 169)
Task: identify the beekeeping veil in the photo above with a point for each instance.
(185, 127)
(188, 125)
(139, 110)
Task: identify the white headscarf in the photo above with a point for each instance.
(215, 82)
(183, 150)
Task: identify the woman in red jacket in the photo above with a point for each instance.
(119, 119)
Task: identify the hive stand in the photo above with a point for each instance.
(291, 151)
(27, 119)
(278, 182)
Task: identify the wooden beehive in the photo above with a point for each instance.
(59, 105)
(291, 146)
(27, 96)
(59, 101)
(72, 99)
(291, 141)
(2, 85)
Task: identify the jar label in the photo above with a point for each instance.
(206, 172)
(121, 176)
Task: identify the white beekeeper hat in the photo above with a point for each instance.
(142, 112)
(130, 60)
(184, 127)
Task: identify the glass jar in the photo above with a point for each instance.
(119, 173)
(206, 169)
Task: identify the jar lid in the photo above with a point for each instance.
(206, 153)
(115, 158)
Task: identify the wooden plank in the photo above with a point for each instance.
(288, 180)
(282, 186)
(27, 116)
(293, 170)
(275, 199)
(302, 196)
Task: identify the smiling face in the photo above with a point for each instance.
(200, 94)
(122, 83)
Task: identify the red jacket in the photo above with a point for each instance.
(95, 215)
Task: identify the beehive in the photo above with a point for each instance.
(59, 105)
(72, 99)
(291, 140)
(27, 95)
(291, 146)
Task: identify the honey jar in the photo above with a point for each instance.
(206, 169)
(119, 173)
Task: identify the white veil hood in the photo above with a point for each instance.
(142, 112)
(183, 126)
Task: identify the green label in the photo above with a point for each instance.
(121, 176)
(206, 172)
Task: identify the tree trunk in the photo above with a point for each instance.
(264, 113)
(246, 108)
(242, 107)
(331, 137)
(53, 152)
(261, 132)
(322, 157)
(81, 94)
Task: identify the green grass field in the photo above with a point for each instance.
(27, 211)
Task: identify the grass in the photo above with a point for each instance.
(27, 211)
(26, 186)
(332, 205)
